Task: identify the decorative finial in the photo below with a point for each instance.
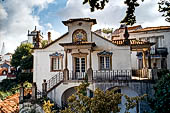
(126, 36)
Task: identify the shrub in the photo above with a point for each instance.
(22, 77)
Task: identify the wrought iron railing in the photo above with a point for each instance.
(100, 75)
(77, 75)
(39, 94)
(54, 80)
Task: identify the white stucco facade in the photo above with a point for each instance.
(121, 58)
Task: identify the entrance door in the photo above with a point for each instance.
(80, 67)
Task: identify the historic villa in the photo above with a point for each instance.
(65, 62)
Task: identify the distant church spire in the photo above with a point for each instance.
(3, 49)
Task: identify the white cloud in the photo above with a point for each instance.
(54, 34)
(146, 14)
(48, 25)
(16, 17)
(17, 20)
(3, 13)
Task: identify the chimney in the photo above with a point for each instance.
(49, 37)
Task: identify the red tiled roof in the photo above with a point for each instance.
(133, 42)
(134, 27)
(10, 104)
(151, 29)
(119, 30)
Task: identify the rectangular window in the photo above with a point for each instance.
(77, 64)
(105, 62)
(107, 58)
(83, 64)
(56, 63)
(80, 64)
(160, 42)
(101, 62)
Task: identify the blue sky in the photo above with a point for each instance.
(19, 16)
(49, 15)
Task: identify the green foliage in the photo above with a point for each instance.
(44, 43)
(162, 72)
(7, 84)
(23, 55)
(132, 101)
(130, 17)
(9, 87)
(27, 84)
(102, 102)
(3, 95)
(164, 7)
(161, 101)
(22, 77)
(47, 106)
(27, 62)
(108, 30)
(96, 4)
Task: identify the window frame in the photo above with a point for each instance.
(79, 55)
(99, 62)
(59, 62)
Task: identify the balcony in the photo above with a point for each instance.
(110, 75)
(102, 76)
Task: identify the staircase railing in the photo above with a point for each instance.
(54, 80)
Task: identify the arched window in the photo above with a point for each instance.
(79, 35)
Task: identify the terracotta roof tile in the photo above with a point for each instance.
(135, 27)
(132, 42)
(151, 29)
(11, 103)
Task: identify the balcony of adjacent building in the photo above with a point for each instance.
(158, 57)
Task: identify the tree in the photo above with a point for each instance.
(23, 57)
(161, 101)
(108, 30)
(44, 43)
(130, 18)
(102, 102)
(164, 7)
